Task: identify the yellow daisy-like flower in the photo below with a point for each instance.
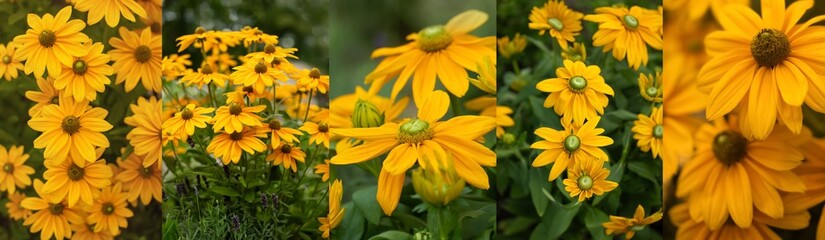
(15, 208)
(649, 131)
(323, 170)
(318, 133)
(204, 75)
(588, 178)
(508, 48)
(487, 107)
(9, 66)
(683, 103)
(76, 184)
(578, 92)
(446, 51)
(137, 58)
(313, 80)
(575, 53)
(87, 76)
(15, 172)
(174, 65)
(111, 9)
(71, 129)
(51, 42)
(568, 147)
(421, 139)
(772, 60)
(252, 35)
(242, 93)
(50, 218)
(139, 181)
(85, 231)
(272, 52)
(189, 118)
(154, 9)
(48, 95)
(486, 80)
(230, 146)
(650, 87)
(689, 228)
(259, 75)
(695, 9)
(731, 176)
(109, 211)
(336, 212)
(223, 61)
(629, 226)
(233, 117)
(200, 39)
(287, 154)
(147, 135)
(561, 22)
(626, 31)
(280, 132)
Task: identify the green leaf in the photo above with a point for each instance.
(547, 116)
(645, 169)
(593, 219)
(538, 185)
(365, 201)
(170, 229)
(555, 221)
(352, 226)
(392, 235)
(225, 191)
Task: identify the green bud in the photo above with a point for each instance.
(366, 115)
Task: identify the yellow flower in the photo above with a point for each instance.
(15, 172)
(811, 171)
(139, 181)
(174, 65)
(280, 132)
(446, 51)
(336, 212)
(287, 154)
(252, 35)
(629, 226)
(259, 75)
(689, 228)
(51, 219)
(437, 184)
(730, 175)
(772, 60)
(575, 53)
(508, 48)
(318, 133)
(625, 31)
(71, 129)
(683, 103)
(76, 184)
(272, 52)
(154, 9)
(556, 18)
(48, 95)
(84, 230)
(9, 65)
(15, 208)
(51, 42)
(229, 146)
(577, 93)
(147, 135)
(200, 39)
(313, 80)
(487, 107)
(343, 107)
(486, 80)
(415, 139)
(111, 9)
(223, 61)
(588, 178)
(233, 117)
(188, 119)
(566, 148)
(109, 211)
(649, 131)
(650, 87)
(137, 58)
(323, 169)
(204, 75)
(87, 76)
(695, 9)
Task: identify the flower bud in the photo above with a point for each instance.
(437, 186)
(366, 115)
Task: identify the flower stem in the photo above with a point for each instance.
(309, 103)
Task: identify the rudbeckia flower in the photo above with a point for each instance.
(627, 32)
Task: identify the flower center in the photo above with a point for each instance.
(658, 131)
(70, 125)
(236, 136)
(572, 143)
(6, 59)
(637, 228)
(269, 48)
(248, 89)
(156, 28)
(108, 209)
(235, 108)
(585, 182)
(275, 124)
(8, 168)
(75, 173)
(729, 147)
(434, 38)
(186, 114)
(555, 23)
(143, 53)
(260, 67)
(200, 30)
(315, 73)
(146, 172)
(577, 83)
(414, 131)
(206, 69)
(652, 91)
(630, 21)
(79, 67)
(56, 208)
(47, 38)
(276, 61)
(286, 148)
(55, 100)
(323, 127)
(770, 47)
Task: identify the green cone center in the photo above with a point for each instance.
(108, 209)
(8, 168)
(47, 38)
(79, 67)
(434, 38)
(652, 91)
(577, 83)
(6, 59)
(555, 23)
(143, 53)
(630, 21)
(770, 47)
(658, 131)
(70, 125)
(585, 182)
(572, 143)
(75, 173)
(729, 147)
(414, 131)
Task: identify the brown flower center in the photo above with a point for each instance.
(200, 30)
(315, 73)
(206, 69)
(6, 59)
(248, 89)
(235, 108)
(75, 173)
(286, 148)
(8, 168)
(275, 124)
(146, 172)
(79, 67)
(186, 114)
(143, 53)
(323, 127)
(260, 67)
(47, 38)
(70, 125)
(729, 147)
(770, 47)
(269, 48)
(56, 208)
(236, 136)
(108, 209)
(434, 38)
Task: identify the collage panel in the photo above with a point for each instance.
(245, 129)
(80, 120)
(583, 158)
(413, 122)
